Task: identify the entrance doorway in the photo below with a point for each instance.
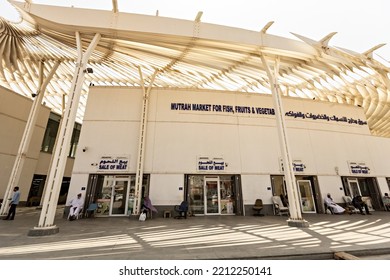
(212, 199)
(308, 191)
(367, 187)
(114, 194)
(214, 195)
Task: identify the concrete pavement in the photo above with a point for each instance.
(211, 237)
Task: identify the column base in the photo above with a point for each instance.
(37, 231)
(298, 223)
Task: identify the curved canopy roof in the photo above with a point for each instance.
(187, 54)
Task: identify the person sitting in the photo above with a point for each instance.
(147, 206)
(284, 200)
(359, 204)
(386, 201)
(76, 204)
(333, 207)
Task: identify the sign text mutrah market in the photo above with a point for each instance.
(223, 108)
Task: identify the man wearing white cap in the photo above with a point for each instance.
(335, 208)
(76, 204)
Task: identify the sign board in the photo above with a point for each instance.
(208, 164)
(298, 165)
(358, 168)
(113, 164)
(249, 110)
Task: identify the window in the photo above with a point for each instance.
(49, 138)
(74, 140)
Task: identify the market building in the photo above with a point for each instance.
(185, 110)
(220, 151)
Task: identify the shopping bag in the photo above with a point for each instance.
(142, 217)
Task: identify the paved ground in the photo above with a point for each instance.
(222, 237)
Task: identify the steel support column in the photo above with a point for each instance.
(53, 183)
(27, 135)
(142, 141)
(292, 189)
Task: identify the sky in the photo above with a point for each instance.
(360, 24)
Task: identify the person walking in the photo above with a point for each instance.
(14, 202)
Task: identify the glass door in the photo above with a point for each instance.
(196, 194)
(227, 199)
(104, 199)
(306, 195)
(354, 188)
(113, 199)
(212, 196)
(119, 196)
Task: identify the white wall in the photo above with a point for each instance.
(256, 186)
(166, 189)
(379, 153)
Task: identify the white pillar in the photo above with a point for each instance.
(291, 185)
(141, 142)
(27, 135)
(54, 180)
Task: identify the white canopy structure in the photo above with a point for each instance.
(185, 54)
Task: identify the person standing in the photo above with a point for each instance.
(147, 206)
(76, 204)
(14, 202)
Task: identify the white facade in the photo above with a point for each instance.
(238, 129)
(14, 111)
